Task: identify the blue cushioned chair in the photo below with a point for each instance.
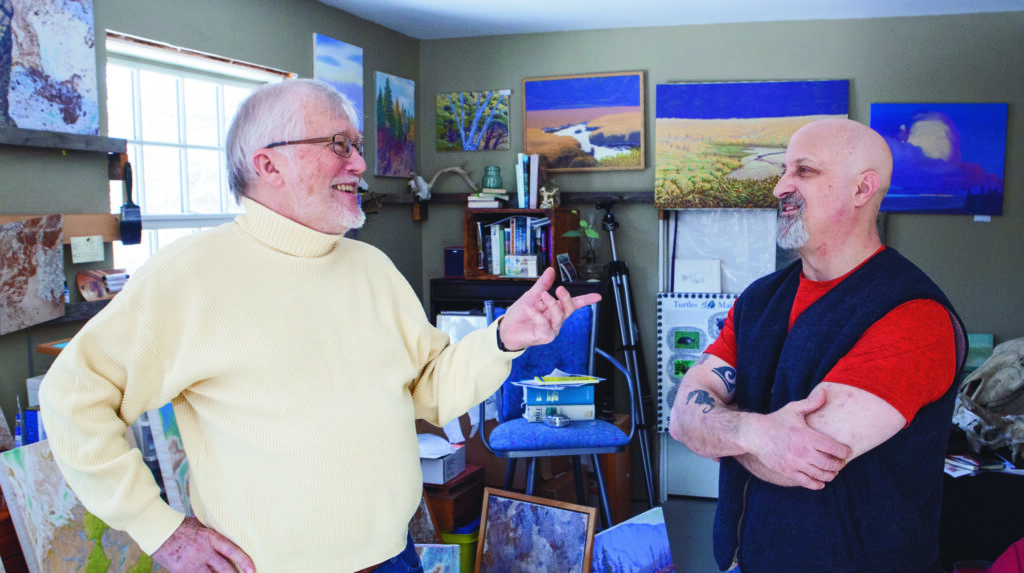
(573, 351)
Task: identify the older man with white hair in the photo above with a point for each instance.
(296, 360)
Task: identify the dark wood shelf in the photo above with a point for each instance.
(568, 197)
(57, 140)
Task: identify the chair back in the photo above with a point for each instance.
(571, 351)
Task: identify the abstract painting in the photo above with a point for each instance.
(396, 126)
(54, 529)
(340, 65)
(947, 157)
(437, 558)
(720, 145)
(31, 272)
(526, 533)
(48, 66)
(585, 122)
(687, 324)
(473, 121)
(637, 545)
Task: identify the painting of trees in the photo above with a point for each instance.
(473, 121)
(396, 126)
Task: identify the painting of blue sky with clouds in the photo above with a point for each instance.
(340, 65)
(947, 157)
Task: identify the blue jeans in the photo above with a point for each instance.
(405, 562)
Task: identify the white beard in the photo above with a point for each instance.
(791, 233)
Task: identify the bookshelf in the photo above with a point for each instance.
(475, 227)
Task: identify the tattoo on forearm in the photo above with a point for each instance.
(728, 376)
(703, 399)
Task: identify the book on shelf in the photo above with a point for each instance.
(491, 194)
(522, 183)
(534, 163)
(483, 204)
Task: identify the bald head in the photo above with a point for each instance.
(851, 146)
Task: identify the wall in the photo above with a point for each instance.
(974, 58)
(268, 32)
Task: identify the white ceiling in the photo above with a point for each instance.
(436, 19)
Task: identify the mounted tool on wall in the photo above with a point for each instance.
(131, 215)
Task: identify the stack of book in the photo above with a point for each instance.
(563, 394)
(974, 462)
(487, 199)
(516, 246)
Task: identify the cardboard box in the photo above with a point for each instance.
(443, 469)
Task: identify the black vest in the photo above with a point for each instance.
(881, 513)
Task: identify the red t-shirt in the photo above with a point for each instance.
(907, 358)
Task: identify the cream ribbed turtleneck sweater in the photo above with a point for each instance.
(296, 363)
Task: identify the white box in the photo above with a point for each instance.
(440, 470)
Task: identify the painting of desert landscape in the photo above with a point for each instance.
(586, 122)
(947, 157)
(721, 145)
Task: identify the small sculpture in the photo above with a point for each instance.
(550, 198)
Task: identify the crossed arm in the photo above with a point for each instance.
(806, 443)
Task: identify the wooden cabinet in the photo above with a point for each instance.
(475, 228)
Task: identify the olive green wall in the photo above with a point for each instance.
(267, 32)
(974, 58)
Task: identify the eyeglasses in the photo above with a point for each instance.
(341, 144)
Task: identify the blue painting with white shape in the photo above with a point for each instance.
(947, 157)
(637, 545)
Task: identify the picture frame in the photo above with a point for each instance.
(586, 122)
(516, 529)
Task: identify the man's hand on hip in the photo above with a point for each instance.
(195, 547)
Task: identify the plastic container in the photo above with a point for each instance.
(466, 538)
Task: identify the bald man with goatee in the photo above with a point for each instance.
(829, 393)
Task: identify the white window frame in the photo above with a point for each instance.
(139, 54)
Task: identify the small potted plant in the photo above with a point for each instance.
(589, 268)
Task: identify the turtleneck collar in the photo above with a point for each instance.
(283, 234)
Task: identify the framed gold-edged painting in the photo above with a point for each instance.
(525, 533)
(586, 122)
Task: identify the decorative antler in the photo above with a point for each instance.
(458, 171)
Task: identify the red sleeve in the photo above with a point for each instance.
(908, 358)
(724, 346)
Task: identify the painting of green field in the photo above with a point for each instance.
(721, 144)
(721, 163)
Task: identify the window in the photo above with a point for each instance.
(174, 106)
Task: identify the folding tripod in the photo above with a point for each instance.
(619, 273)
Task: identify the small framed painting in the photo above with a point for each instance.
(525, 533)
(589, 122)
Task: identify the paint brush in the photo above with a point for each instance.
(131, 215)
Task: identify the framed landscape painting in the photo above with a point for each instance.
(720, 145)
(947, 157)
(525, 533)
(587, 122)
